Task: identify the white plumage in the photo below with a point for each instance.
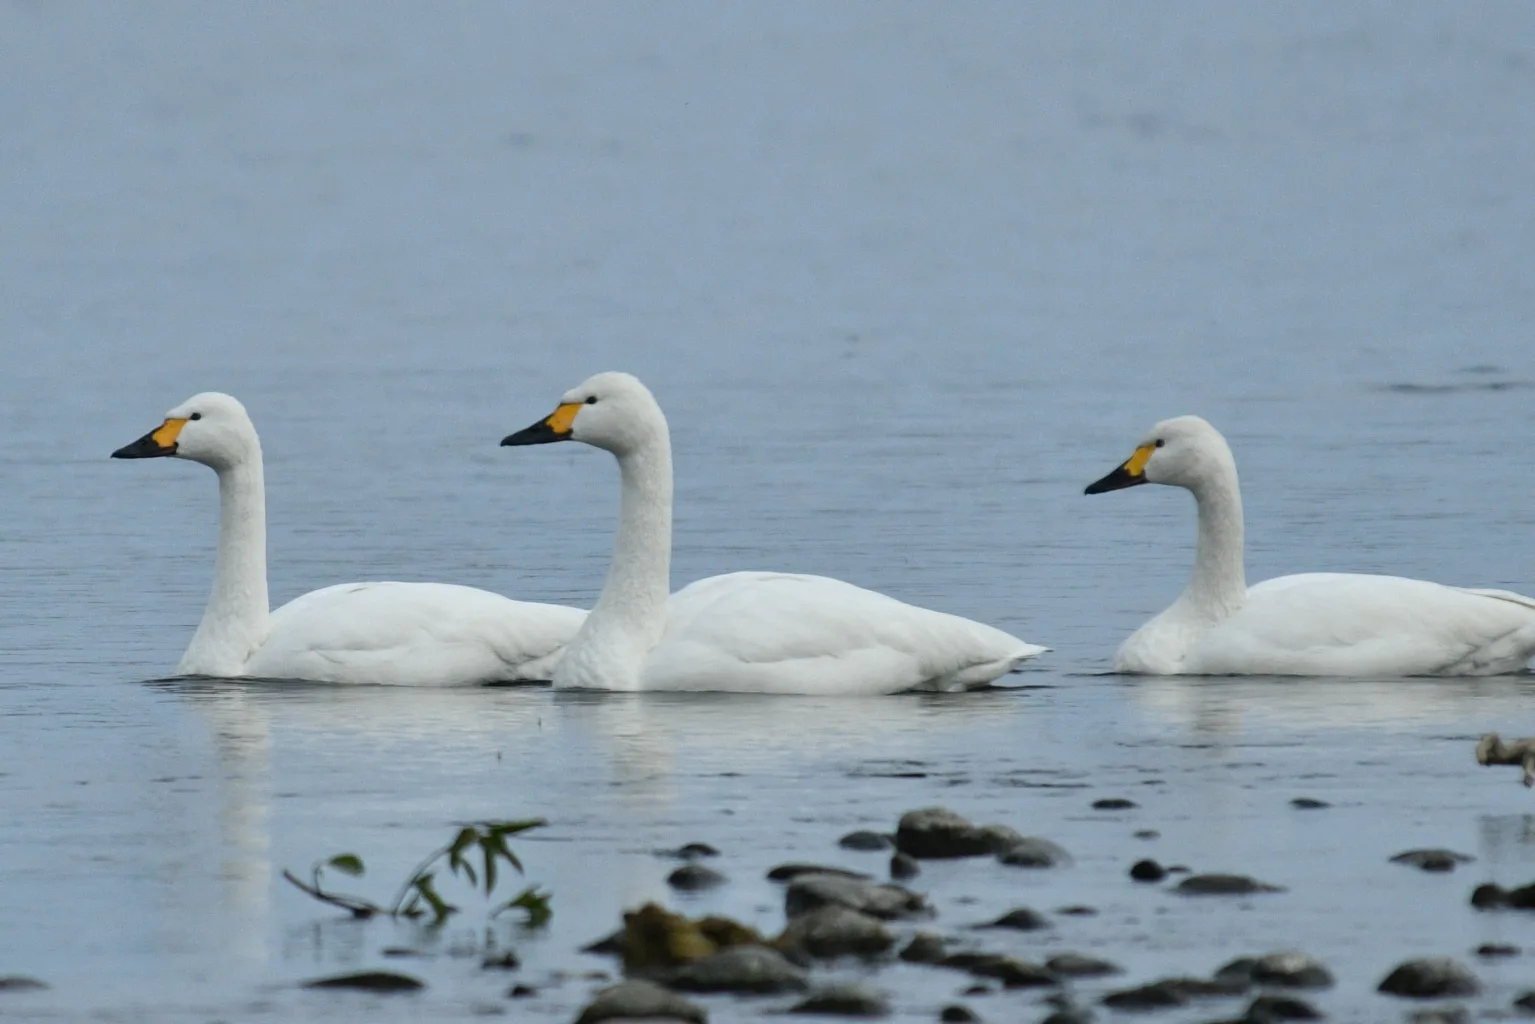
(383, 633)
(758, 632)
(1311, 624)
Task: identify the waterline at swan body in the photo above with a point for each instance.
(1310, 624)
(383, 633)
(749, 632)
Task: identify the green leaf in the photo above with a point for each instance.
(441, 908)
(532, 902)
(346, 863)
(508, 855)
(465, 839)
(487, 848)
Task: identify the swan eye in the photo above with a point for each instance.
(1160, 442)
(591, 399)
(195, 416)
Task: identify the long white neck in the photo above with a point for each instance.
(630, 615)
(1218, 587)
(236, 621)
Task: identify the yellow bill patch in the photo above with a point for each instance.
(561, 419)
(1135, 465)
(165, 435)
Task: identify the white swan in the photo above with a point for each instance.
(1313, 624)
(758, 632)
(405, 634)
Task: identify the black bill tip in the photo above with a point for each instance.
(539, 433)
(1115, 481)
(145, 447)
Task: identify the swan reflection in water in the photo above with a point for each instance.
(352, 767)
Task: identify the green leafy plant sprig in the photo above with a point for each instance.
(481, 843)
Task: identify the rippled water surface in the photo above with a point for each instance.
(905, 280)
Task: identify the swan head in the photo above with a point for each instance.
(1184, 451)
(211, 428)
(613, 411)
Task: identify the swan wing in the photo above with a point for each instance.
(1344, 624)
(766, 632)
(414, 634)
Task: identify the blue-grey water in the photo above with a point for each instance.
(905, 278)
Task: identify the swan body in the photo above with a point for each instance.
(1309, 624)
(383, 633)
(756, 632)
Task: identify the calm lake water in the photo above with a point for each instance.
(904, 280)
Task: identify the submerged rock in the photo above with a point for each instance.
(755, 969)
(640, 999)
(1147, 870)
(958, 1013)
(866, 840)
(789, 872)
(1069, 1015)
(503, 960)
(1432, 860)
(1223, 885)
(1491, 950)
(521, 991)
(370, 981)
(846, 999)
(1034, 852)
(1489, 896)
(904, 866)
(878, 899)
(1288, 969)
(834, 930)
(1453, 1014)
(689, 851)
(21, 983)
(1076, 965)
(1077, 910)
(1010, 971)
(934, 833)
(654, 938)
(1147, 833)
(1021, 919)
(694, 877)
(1114, 803)
(1430, 978)
(1171, 992)
(924, 948)
(1525, 1003)
(1306, 803)
(1272, 1009)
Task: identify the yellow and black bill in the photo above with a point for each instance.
(158, 443)
(1128, 474)
(554, 427)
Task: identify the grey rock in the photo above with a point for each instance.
(1020, 919)
(904, 866)
(1432, 860)
(847, 999)
(521, 991)
(1452, 1014)
(1114, 803)
(1223, 885)
(505, 960)
(21, 983)
(1306, 803)
(958, 1013)
(630, 1000)
(1525, 1003)
(370, 981)
(1288, 969)
(791, 871)
(878, 899)
(1147, 871)
(834, 930)
(937, 832)
(1492, 950)
(1430, 978)
(1272, 1009)
(866, 840)
(1069, 1015)
(1076, 965)
(694, 877)
(755, 969)
(1077, 910)
(1010, 971)
(689, 851)
(1147, 833)
(1034, 852)
(1171, 992)
(924, 948)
